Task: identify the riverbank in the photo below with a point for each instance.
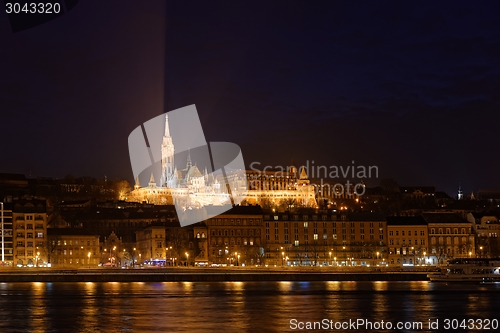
(202, 275)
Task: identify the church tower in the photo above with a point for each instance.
(167, 157)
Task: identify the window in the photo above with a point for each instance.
(296, 243)
(306, 224)
(315, 236)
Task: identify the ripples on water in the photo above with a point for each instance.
(233, 306)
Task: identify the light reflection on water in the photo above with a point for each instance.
(232, 306)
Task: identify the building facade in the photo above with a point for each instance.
(408, 240)
(487, 228)
(151, 245)
(6, 233)
(29, 218)
(450, 236)
(325, 238)
(72, 248)
(236, 237)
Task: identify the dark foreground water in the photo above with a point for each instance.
(246, 306)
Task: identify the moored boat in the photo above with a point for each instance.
(485, 270)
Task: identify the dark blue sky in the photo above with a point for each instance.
(411, 89)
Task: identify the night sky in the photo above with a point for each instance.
(413, 90)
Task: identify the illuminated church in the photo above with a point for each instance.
(193, 188)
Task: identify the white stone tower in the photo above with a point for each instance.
(167, 158)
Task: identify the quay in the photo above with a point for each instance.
(203, 275)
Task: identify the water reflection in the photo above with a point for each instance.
(37, 308)
(232, 306)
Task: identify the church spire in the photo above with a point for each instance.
(137, 183)
(189, 163)
(167, 130)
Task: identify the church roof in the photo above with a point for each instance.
(303, 174)
(194, 172)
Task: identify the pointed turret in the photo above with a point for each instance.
(303, 174)
(303, 180)
(137, 183)
(152, 182)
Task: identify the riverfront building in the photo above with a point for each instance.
(72, 248)
(29, 217)
(450, 236)
(325, 238)
(408, 240)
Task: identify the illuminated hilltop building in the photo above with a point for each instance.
(196, 189)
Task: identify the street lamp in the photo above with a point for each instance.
(481, 252)
(345, 255)
(187, 258)
(89, 259)
(238, 263)
(424, 258)
(133, 257)
(282, 258)
(330, 263)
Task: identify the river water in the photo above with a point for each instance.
(245, 306)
